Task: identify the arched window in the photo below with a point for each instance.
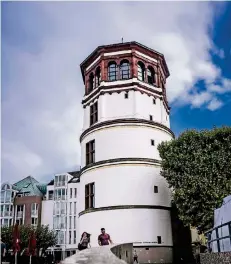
(97, 77)
(91, 82)
(151, 75)
(112, 71)
(5, 186)
(141, 71)
(124, 70)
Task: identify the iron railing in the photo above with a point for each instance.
(218, 239)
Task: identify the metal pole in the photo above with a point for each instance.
(30, 259)
(218, 241)
(16, 257)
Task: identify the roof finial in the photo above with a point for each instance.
(122, 40)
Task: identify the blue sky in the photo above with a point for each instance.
(43, 44)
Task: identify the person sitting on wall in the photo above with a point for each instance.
(84, 241)
(104, 238)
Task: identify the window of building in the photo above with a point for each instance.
(60, 180)
(63, 207)
(90, 152)
(152, 142)
(60, 194)
(97, 77)
(126, 95)
(124, 70)
(50, 195)
(74, 208)
(34, 209)
(70, 223)
(69, 237)
(151, 75)
(60, 237)
(90, 195)
(158, 239)
(74, 222)
(34, 221)
(70, 209)
(74, 237)
(112, 71)
(141, 71)
(75, 192)
(151, 118)
(19, 213)
(63, 222)
(155, 189)
(154, 101)
(91, 82)
(94, 113)
(70, 192)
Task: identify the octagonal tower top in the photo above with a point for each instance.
(125, 64)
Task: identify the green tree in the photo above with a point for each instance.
(197, 165)
(45, 238)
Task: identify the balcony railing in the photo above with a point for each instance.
(19, 214)
(34, 213)
(218, 238)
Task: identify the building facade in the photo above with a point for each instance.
(22, 202)
(126, 116)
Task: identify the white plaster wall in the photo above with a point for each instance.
(125, 141)
(125, 185)
(131, 225)
(137, 105)
(47, 213)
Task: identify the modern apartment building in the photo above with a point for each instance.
(22, 202)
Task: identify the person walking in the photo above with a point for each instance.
(104, 238)
(84, 241)
(135, 257)
(3, 250)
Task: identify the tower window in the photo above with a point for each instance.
(124, 70)
(141, 71)
(155, 189)
(151, 118)
(90, 152)
(154, 101)
(152, 142)
(151, 75)
(97, 77)
(91, 82)
(112, 71)
(158, 239)
(90, 195)
(126, 95)
(94, 113)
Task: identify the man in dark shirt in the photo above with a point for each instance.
(104, 238)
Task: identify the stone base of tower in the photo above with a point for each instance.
(156, 254)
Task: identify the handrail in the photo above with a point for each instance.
(218, 239)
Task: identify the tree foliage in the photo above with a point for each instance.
(198, 166)
(45, 238)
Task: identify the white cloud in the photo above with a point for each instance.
(43, 89)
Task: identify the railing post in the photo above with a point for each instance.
(218, 241)
(229, 225)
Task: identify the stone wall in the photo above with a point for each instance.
(124, 252)
(216, 258)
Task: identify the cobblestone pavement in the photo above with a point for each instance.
(97, 255)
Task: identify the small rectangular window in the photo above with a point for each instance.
(158, 239)
(154, 100)
(75, 192)
(152, 142)
(90, 152)
(90, 195)
(155, 189)
(150, 117)
(147, 248)
(70, 192)
(94, 113)
(126, 95)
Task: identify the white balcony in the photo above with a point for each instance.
(19, 214)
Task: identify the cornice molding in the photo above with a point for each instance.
(122, 207)
(125, 121)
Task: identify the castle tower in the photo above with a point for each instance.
(126, 116)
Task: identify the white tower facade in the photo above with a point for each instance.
(126, 116)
